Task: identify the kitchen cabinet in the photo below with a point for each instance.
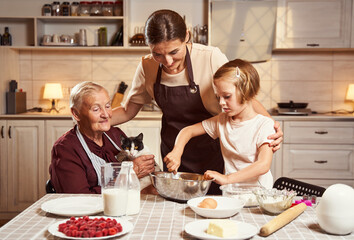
(24, 150)
(313, 24)
(319, 152)
(24, 143)
(151, 130)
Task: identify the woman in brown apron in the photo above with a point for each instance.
(186, 102)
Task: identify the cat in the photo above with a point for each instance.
(133, 147)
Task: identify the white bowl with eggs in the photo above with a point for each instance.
(225, 206)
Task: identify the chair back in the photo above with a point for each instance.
(49, 187)
(301, 188)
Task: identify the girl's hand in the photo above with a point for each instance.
(173, 161)
(278, 137)
(218, 177)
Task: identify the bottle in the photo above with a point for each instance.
(6, 38)
(129, 181)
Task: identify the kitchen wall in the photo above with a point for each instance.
(319, 78)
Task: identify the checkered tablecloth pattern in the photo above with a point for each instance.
(161, 219)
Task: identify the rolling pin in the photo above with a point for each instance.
(282, 219)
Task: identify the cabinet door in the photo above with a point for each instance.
(313, 23)
(151, 130)
(25, 151)
(3, 165)
(54, 129)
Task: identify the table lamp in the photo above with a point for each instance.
(350, 94)
(53, 91)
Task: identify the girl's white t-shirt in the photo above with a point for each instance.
(240, 141)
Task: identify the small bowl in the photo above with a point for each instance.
(180, 187)
(274, 201)
(226, 207)
(242, 191)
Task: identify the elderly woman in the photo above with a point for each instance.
(78, 154)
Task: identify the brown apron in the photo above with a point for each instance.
(182, 106)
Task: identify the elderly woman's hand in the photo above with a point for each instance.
(144, 165)
(278, 137)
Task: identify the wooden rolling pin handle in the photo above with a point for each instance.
(282, 219)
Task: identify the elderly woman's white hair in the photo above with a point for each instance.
(81, 90)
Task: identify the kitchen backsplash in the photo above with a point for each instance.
(319, 78)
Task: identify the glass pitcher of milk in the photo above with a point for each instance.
(128, 177)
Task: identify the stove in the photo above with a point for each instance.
(294, 111)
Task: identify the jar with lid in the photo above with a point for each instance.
(107, 8)
(74, 9)
(47, 10)
(56, 9)
(65, 9)
(85, 8)
(96, 8)
(118, 8)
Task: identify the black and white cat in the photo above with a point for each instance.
(133, 147)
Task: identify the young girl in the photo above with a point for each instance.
(242, 132)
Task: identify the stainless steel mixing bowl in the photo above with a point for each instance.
(180, 187)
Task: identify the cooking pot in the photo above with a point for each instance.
(292, 104)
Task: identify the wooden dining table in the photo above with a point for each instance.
(161, 219)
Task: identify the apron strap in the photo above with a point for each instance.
(96, 161)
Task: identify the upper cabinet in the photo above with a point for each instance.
(313, 24)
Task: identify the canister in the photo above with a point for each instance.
(74, 8)
(96, 8)
(102, 36)
(56, 9)
(47, 10)
(85, 8)
(107, 8)
(118, 8)
(65, 9)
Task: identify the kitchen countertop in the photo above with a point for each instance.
(156, 115)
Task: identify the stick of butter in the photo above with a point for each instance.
(222, 228)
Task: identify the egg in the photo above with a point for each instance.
(208, 203)
(335, 212)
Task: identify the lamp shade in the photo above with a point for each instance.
(350, 92)
(52, 91)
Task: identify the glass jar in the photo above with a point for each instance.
(96, 8)
(118, 8)
(85, 8)
(47, 10)
(107, 8)
(56, 9)
(65, 9)
(74, 9)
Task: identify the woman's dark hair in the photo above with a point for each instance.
(164, 25)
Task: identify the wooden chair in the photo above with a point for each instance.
(301, 188)
(49, 187)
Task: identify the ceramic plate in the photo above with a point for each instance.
(198, 229)
(226, 207)
(74, 206)
(126, 225)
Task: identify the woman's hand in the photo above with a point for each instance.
(218, 177)
(144, 165)
(173, 161)
(278, 137)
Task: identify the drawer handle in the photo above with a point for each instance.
(321, 161)
(313, 45)
(10, 132)
(2, 131)
(321, 132)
